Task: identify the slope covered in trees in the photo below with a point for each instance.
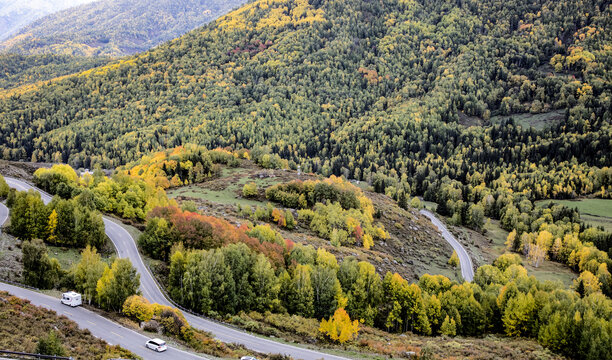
(17, 70)
(16, 14)
(115, 27)
(372, 85)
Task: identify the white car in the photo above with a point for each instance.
(158, 345)
(248, 358)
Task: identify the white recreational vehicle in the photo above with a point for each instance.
(71, 298)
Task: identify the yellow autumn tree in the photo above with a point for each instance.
(454, 260)
(511, 240)
(278, 217)
(587, 283)
(368, 242)
(52, 226)
(339, 327)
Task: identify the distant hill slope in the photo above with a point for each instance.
(17, 70)
(16, 14)
(345, 87)
(115, 27)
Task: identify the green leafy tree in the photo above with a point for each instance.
(416, 203)
(4, 188)
(325, 287)
(176, 275)
(520, 315)
(65, 222)
(264, 284)
(365, 293)
(89, 228)
(38, 269)
(301, 298)
(88, 271)
(28, 215)
(241, 261)
(156, 240)
(117, 283)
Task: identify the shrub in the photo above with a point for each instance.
(151, 326)
(50, 345)
(454, 260)
(249, 190)
(138, 308)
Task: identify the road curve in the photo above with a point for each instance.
(126, 248)
(100, 326)
(4, 214)
(467, 268)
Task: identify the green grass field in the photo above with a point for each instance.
(70, 256)
(596, 212)
(226, 196)
(497, 235)
(537, 121)
(549, 270)
(66, 256)
(232, 180)
(430, 205)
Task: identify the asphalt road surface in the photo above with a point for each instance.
(126, 248)
(4, 214)
(100, 326)
(467, 269)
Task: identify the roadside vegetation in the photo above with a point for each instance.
(49, 333)
(216, 268)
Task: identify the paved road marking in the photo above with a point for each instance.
(114, 333)
(92, 323)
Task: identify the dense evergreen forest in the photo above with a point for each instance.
(349, 87)
(115, 27)
(18, 70)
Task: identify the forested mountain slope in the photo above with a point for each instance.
(115, 27)
(349, 87)
(17, 14)
(16, 70)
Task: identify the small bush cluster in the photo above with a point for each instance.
(282, 218)
(171, 322)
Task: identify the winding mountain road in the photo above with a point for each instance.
(126, 248)
(4, 214)
(467, 268)
(100, 326)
